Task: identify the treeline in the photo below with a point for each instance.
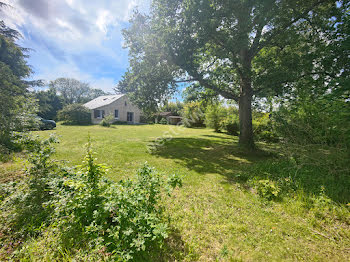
(19, 104)
(63, 92)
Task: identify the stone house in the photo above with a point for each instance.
(118, 106)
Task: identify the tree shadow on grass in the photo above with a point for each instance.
(173, 249)
(211, 155)
(216, 154)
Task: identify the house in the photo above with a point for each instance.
(170, 118)
(118, 106)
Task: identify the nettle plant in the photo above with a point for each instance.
(125, 218)
(122, 220)
(26, 204)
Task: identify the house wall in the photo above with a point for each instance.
(119, 105)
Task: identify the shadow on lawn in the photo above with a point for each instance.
(217, 154)
(211, 155)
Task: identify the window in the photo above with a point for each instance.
(116, 114)
(99, 114)
(125, 103)
(130, 116)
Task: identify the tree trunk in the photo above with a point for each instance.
(245, 118)
(246, 139)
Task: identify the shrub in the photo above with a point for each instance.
(315, 121)
(214, 117)
(193, 115)
(163, 121)
(107, 121)
(82, 210)
(267, 189)
(232, 128)
(29, 200)
(263, 128)
(75, 114)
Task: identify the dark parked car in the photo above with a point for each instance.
(45, 124)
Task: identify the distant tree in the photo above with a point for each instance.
(49, 103)
(74, 91)
(174, 107)
(94, 92)
(71, 90)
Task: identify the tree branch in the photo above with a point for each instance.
(287, 25)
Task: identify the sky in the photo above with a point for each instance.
(74, 38)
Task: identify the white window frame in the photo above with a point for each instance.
(100, 114)
(116, 117)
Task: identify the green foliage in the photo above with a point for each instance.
(49, 104)
(322, 121)
(193, 115)
(214, 116)
(263, 127)
(238, 49)
(300, 181)
(231, 122)
(84, 210)
(267, 189)
(17, 106)
(163, 121)
(174, 108)
(197, 93)
(28, 207)
(73, 91)
(107, 120)
(75, 114)
(232, 128)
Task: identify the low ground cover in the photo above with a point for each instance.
(233, 205)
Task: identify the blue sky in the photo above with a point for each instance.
(74, 38)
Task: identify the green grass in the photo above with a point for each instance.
(217, 215)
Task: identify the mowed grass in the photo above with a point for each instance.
(214, 216)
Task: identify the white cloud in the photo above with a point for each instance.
(63, 31)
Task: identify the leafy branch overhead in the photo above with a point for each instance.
(239, 49)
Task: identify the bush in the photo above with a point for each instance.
(193, 115)
(75, 114)
(82, 210)
(107, 121)
(315, 121)
(232, 128)
(262, 127)
(267, 189)
(147, 119)
(163, 121)
(214, 117)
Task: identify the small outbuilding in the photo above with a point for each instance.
(118, 106)
(170, 118)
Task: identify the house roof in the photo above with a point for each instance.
(164, 114)
(175, 117)
(102, 101)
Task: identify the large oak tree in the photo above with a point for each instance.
(240, 49)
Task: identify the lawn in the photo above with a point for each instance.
(215, 216)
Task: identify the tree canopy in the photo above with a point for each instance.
(74, 91)
(16, 104)
(239, 49)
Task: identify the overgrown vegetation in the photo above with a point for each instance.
(75, 114)
(81, 210)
